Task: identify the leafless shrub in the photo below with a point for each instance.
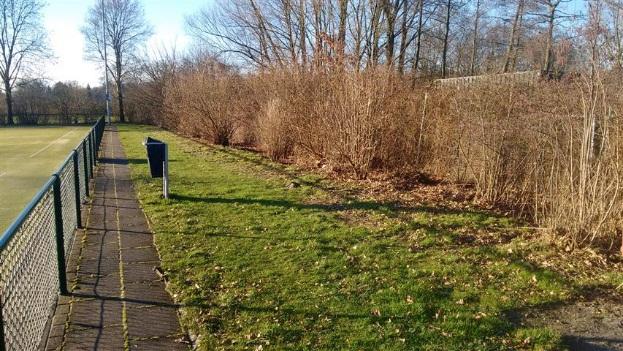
(209, 101)
(273, 131)
(549, 151)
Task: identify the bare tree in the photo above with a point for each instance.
(407, 20)
(390, 10)
(511, 49)
(418, 45)
(125, 29)
(22, 42)
(551, 15)
(614, 44)
(341, 36)
(477, 15)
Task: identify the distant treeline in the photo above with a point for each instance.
(36, 102)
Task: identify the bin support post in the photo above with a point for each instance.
(165, 172)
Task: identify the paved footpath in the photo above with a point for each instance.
(117, 299)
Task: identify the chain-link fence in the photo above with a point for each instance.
(33, 249)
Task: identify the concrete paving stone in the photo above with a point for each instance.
(91, 319)
(108, 249)
(108, 285)
(129, 203)
(95, 339)
(96, 313)
(131, 240)
(140, 254)
(148, 293)
(159, 344)
(139, 272)
(151, 322)
(102, 237)
(103, 266)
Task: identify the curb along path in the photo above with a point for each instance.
(117, 301)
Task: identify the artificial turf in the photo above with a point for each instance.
(28, 157)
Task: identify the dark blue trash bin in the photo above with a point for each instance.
(155, 156)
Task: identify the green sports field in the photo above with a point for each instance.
(28, 157)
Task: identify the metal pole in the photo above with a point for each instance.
(105, 62)
(2, 341)
(60, 242)
(165, 172)
(90, 138)
(85, 162)
(94, 148)
(77, 189)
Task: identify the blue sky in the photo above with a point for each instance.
(63, 19)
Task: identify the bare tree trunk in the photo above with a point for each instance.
(319, 42)
(594, 9)
(342, 31)
(390, 17)
(287, 11)
(403, 37)
(510, 50)
(548, 59)
(119, 84)
(265, 35)
(8, 96)
(472, 64)
(617, 36)
(376, 19)
(303, 33)
(446, 35)
(358, 37)
(418, 45)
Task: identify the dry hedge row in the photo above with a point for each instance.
(551, 151)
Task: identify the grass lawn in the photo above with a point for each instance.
(260, 265)
(28, 157)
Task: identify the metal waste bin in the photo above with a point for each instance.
(158, 160)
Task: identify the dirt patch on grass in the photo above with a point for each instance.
(592, 323)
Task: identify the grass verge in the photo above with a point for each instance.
(263, 265)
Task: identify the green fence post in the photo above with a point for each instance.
(85, 161)
(77, 189)
(94, 148)
(2, 341)
(91, 165)
(97, 143)
(60, 242)
(98, 133)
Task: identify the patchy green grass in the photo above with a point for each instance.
(263, 266)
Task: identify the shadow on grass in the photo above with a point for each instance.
(390, 209)
(276, 168)
(580, 343)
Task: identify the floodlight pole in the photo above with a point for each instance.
(105, 63)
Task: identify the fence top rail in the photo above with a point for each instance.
(14, 227)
